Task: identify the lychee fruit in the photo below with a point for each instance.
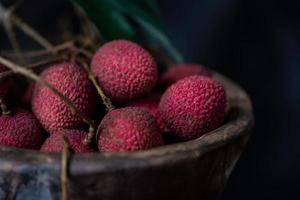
(180, 71)
(72, 81)
(4, 85)
(55, 143)
(193, 106)
(150, 103)
(124, 70)
(128, 129)
(20, 129)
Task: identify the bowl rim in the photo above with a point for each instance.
(238, 125)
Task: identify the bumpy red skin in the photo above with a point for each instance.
(55, 143)
(150, 103)
(4, 86)
(128, 129)
(193, 106)
(72, 81)
(20, 129)
(180, 71)
(124, 70)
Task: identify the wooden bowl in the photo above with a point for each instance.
(197, 169)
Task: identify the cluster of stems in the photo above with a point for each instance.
(65, 51)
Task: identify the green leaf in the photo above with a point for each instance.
(127, 19)
(159, 39)
(130, 8)
(111, 23)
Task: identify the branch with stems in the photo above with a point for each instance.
(33, 66)
(54, 50)
(9, 19)
(106, 101)
(28, 30)
(5, 14)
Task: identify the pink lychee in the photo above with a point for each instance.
(20, 129)
(124, 70)
(193, 106)
(72, 81)
(55, 142)
(180, 71)
(150, 103)
(128, 129)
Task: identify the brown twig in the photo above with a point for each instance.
(5, 14)
(44, 52)
(30, 32)
(31, 75)
(33, 66)
(38, 53)
(12, 38)
(88, 29)
(64, 168)
(44, 62)
(106, 101)
(82, 51)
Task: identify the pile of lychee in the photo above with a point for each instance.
(183, 103)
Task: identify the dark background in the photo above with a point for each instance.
(257, 44)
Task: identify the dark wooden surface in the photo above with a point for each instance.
(197, 169)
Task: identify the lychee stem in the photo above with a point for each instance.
(89, 137)
(5, 14)
(12, 38)
(4, 109)
(89, 30)
(53, 50)
(4, 75)
(31, 75)
(64, 168)
(106, 101)
(30, 32)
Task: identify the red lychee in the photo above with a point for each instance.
(128, 129)
(124, 70)
(4, 85)
(180, 71)
(193, 106)
(150, 103)
(20, 129)
(55, 142)
(72, 81)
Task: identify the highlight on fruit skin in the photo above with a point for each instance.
(55, 143)
(193, 106)
(150, 103)
(124, 70)
(177, 72)
(72, 81)
(20, 129)
(128, 129)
